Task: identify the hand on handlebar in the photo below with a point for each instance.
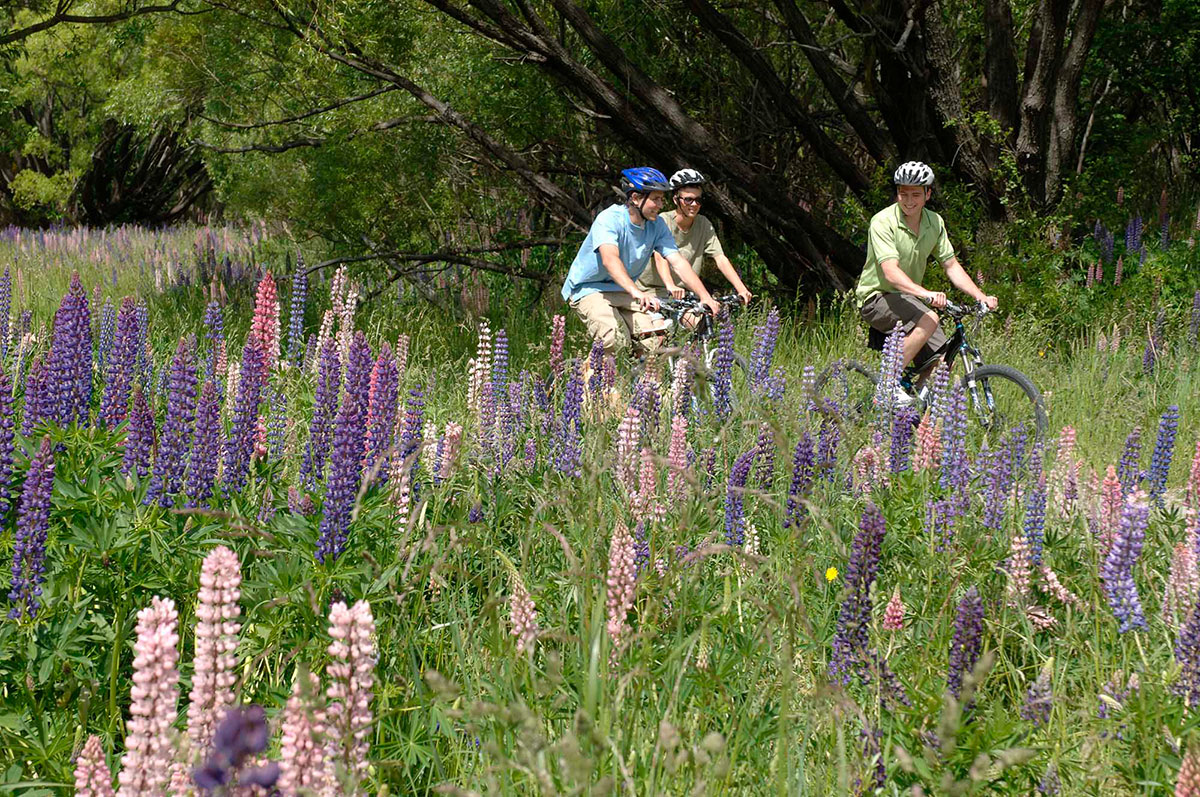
(676, 292)
(713, 306)
(936, 299)
(745, 295)
(990, 302)
(647, 302)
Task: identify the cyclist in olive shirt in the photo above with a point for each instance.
(695, 237)
(902, 238)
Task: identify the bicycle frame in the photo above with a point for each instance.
(972, 359)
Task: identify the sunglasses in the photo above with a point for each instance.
(688, 200)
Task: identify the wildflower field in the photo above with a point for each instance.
(266, 535)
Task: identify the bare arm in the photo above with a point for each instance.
(668, 279)
(730, 273)
(610, 257)
(960, 279)
(901, 281)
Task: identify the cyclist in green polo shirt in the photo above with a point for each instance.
(901, 240)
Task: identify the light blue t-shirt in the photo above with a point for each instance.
(634, 244)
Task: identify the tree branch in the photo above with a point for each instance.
(61, 16)
(298, 117)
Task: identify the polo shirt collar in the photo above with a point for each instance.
(901, 223)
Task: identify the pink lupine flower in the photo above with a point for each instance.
(893, 615)
(522, 614)
(146, 765)
(929, 444)
(1112, 501)
(1187, 784)
(451, 445)
(1065, 475)
(558, 336)
(643, 503)
(677, 460)
(351, 685)
(92, 775)
(629, 444)
(870, 469)
(265, 326)
(215, 657)
(620, 586)
(1019, 567)
(260, 437)
(1051, 585)
(1183, 582)
(303, 767)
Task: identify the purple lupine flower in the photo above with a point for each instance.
(1039, 699)
(6, 312)
(1129, 468)
(1133, 234)
(940, 522)
(708, 466)
(139, 436)
(829, 437)
(531, 453)
(381, 411)
(939, 396)
(804, 466)
(345, 471)
(214, 333)
(329, 384)
(1050, 785)
(998, 478)
(33, 521)
(69, 364)
(240, 444)
(206, 447)
(34, 411)
(735, 498)
(967, 641)
(722, 375)
(475, 513)
(569, 431)
(119, 370)
(765, 339)
(891, 368)
(6, 442)
(108, 329)
(1187, 654)
(1149, 355)
(1117, 570)
(171, 458)
(956, 473)
(411, 435)
(1164, 449)
(764, 474)
(296, 318)
(851, 640)
(648, 402)
(1035, 519)
(641, 548)
(904, 420)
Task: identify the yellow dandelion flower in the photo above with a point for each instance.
(831, 574)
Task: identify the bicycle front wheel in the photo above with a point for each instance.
(1002, 398)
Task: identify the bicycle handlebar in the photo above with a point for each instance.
(957, 311)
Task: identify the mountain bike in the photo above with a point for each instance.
(692, 338)
(999, 397)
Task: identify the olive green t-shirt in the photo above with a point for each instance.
(890, 238)
(698, 243)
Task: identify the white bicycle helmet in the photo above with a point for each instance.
(911, 173)
(686, 177)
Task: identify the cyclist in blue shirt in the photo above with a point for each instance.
(618, 248)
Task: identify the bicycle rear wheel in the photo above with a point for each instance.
(847, 385)
(1003, 398)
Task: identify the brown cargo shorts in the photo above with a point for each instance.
(612, 318)
(883, 310)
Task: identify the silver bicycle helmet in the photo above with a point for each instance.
(686, 177)
(913, 173)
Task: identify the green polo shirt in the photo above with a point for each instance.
(890, 238)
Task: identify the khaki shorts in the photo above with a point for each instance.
(883, 310)
(612, 318)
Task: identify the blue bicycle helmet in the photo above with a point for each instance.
(644, 178)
